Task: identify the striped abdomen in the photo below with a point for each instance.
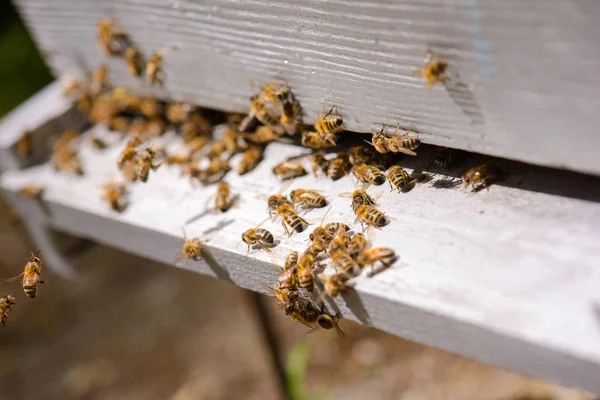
(371, 215)
(410, 143)
(264, 236)
(346, 263)
(294, 221)
(369, 174)
(399, 178)
(30, 282)
(330, 125)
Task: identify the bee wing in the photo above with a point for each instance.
(178, 257)
(14, 278)
(417, 72)
(407, 151)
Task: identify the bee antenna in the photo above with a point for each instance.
(184, 234)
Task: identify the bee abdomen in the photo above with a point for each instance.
(265, 236)
(376, 217)
(30, 290)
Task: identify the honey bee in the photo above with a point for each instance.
(289, 170)
(129, 152)
(66, 139)
(305, 272)
(114, 194)
(260, 236)
(329, 126)
(291, 218)
(384, 255)
(326, 321)
(193, 249)
(25, 145)
(119, 123)
(291, 115)
(134, 60)
(338, 243)
(216, 170)
(99, 80)
(394, 143)
(315, 249)
(291, 261)
(319, 163)
(66, 160)
(262, 135)
(307, 198)
(358, 243)
(314, 140)
(217, 148)
(263, 114)
(250, 159)
(156, 127)
(5, 303)
(231, 138)
(359, 197)
(178, 159)
(111, 39)
(151, 107)
(275, 92)
(97, 143)
(335, 284)
(434, 70)
(32, 275)
(338, 167)
(178, 113)
(371, 216)
(145, 162)
(479, 175)
(155, 74)
(31, 191)
(223, 198)
(196, 145)
(358, 155)
(368, 174)
(399, 179)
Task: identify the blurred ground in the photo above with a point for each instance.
(132, 329)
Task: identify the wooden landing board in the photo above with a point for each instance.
(525, 81)
(506, 276)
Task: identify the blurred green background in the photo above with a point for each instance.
(22, 69)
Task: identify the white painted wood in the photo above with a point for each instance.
(526, 84)
(506, 276)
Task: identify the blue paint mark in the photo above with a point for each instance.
(481, 46)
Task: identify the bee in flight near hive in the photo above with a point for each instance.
(193, 249)
(111, 39)
(31, 191)
(223, 198)
(32, 275)
(134, 60)
(250, 159)
(383, 255)
(114, 193)
(334, 285)
(434, 70)
(371, 216)
(399, 179)
(291, 218)
(289, 170)
(146, 163)
(479, 177)
(329, 125)
(395, 143)
(368, 174)
(155, 75)
(359, 197)
(307, 198)
(5, 303)
(25, 145)
(258, 236)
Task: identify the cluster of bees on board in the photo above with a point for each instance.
(275, 114)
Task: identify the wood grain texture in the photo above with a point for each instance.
(526, 84)
(506, 276)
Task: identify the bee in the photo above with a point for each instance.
(399, 179)
(259, 236)
(305, 272)
(217, 148)
(275, 92)
(262, 135)
(307, 198)
(289, 170)
(314, 140)
(223, 198)
(321, 235)
(193, 171)
(196, 145)
(329, 126)
(319, 163)
(338, 167)
(134, 60)
(66, 139)
(99, 80)
(151, 107)
(5, 303)
(394, 143)
(32, 275)
(263, 114)
(315, 249)
(368, 174)
(145, 162)
(291, 261)
(25, 145)
(178, 159)
(193, 249)
(129, 152)
(250, 159)
(326, 321)
(114, 194)
(291, 218)
(358, 155)
(384, 255)
(291, 115)
(371, 216)
(479, 175)
(111, 39)
(178, 113)
(31, 191)
(446, 158)
(335, 284)
(67, 160)
(137, 129)
(97, 143)
(358, 243)
(156, 127)
(359, 197)
(434, 70)
(216, 170)
(338, 243)
(155, 74)
(119, 124)
(231, 138)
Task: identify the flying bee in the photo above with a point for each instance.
(263, 114)
(289, 170)
(155, 75)
(31, 191)
(5, 303)
(114, 194)
(305, 273)
(262, 135)
(307, 198)
(314, 140)
(193, 249)
(32, 275)
(359, 197)
(178, 113)
(319, 163)
(358, 155)
(369, 174)
(250, 159)
(329, 125)
(258, 236)
(99, 80)
(326, 321)
(480, 175)
(129, 152)
(291, 115)
(25, 145)
(223, 199)
(335, 284)
(338, 167)
(151, 107)
(384, 255)
(358, 243)
(399, 179)
(145, 163)
(111, 39)
(291, 218)
(134, 60)
(394, 143)
(434, 70)
(371, 216)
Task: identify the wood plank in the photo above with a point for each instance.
(506, 276)
(526, 71)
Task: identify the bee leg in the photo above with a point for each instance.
(248, 251)
(267, 249)
(286, 229)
